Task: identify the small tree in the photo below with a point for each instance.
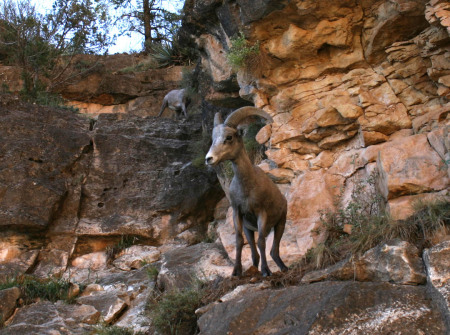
(44, 45)
(149, 18)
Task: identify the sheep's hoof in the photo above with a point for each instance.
(266, 273)
(237, 272)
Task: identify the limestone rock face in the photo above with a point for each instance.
(205, 261)
(8, 302)
(135, 256)
(353, 88)
(394, 261)
(48, 318)
(40, 147)
(123, 192)
(109, 304)
(325, 308)
(114, 84)
(437, 263)
(61, 179)
(345, 84)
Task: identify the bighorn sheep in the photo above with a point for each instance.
(258, 204)
(177, 101)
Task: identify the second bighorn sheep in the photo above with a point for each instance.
(177, 101)
(258, 204)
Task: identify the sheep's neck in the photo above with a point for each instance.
(243, 168)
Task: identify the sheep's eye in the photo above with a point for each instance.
(229, 138)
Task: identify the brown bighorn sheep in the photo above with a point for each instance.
(258, 204)
(177, 101)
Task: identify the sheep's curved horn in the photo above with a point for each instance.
(218, 119)
(240, 114)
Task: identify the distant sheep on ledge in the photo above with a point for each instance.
(177, 101)
(258, 204)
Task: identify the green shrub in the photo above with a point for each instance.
(371, 225)
(52, 289)
(125, 242)
(199, 149)
(174, 311)
(254, 150)
(241, 53)
(145, 65)
(152, 272)
(189, 82)
(166, 54)
(113, 330)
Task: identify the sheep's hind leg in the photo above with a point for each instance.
(250, 234)
(262, 234)
(275, 252)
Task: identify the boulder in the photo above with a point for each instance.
(394, 262)
(136, 257)
(411, 164)
(109, 304)
(15, 267)
(182, 266)
(437, 263)
(46, 318)
(326, 308)
(8, 302)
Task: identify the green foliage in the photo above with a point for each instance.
(370, 225)
(44, 45)
(174, 311)
(242, 54)
(125, 242)
(149, 18)
(254, 150)
(199, 150)
(5, 88)
(113, 330)
(211, 235)
(162, 53)
(170, 53)
(428, 219)
(152, 272)
(145, 65)
(52, 289)
(189, 82)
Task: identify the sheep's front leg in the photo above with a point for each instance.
(262, 234)
(237, 219)
(250, 234)
(183, 108)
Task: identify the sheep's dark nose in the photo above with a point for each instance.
(208, 160)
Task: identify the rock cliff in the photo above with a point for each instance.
(108, 196)
(348, 84)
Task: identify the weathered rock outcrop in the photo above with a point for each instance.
(346, 83)
(117, 84)
(325, 308)
(64, 184)
(353, 87)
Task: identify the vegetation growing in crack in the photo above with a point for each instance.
(33, 289)
(363, 223)
(242, 54)
(114, 330)
(125, 242)
(173, 312)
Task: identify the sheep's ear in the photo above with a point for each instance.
(218, 119)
